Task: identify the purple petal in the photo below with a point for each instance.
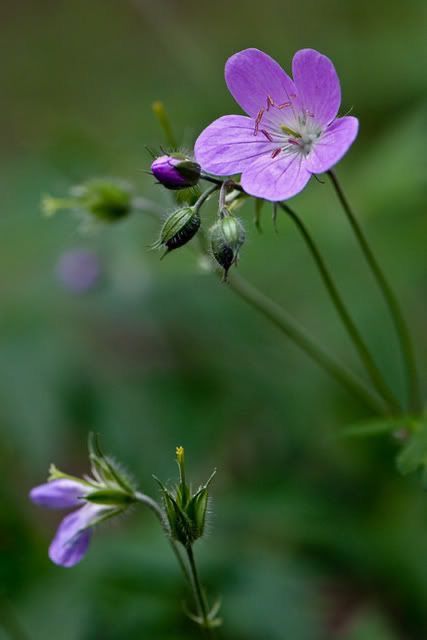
(72, 538)
(59, 494)
(252, 76)
(333, 144)
(229, 145)
(317, 85)
(276, 179)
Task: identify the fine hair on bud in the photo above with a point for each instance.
(227, 236)
(176, 171)
(179, 228)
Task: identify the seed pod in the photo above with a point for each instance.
(227, 237)
(176, 171)
(179, 228)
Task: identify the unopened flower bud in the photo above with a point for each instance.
(100, 199)
(106, 199)
(179, 228)
(227, 236)
(176, 171)
(185, 511)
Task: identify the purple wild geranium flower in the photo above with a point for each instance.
(106, 494)
(291, 131)
(73, 535)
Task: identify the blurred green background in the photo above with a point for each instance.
(311, 536)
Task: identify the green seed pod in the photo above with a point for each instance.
(179, 228)
(227, 236)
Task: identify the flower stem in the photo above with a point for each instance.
(156, 509)
(206, 195)
(199, 595)
(283, 321)
(289, 327)
(364, 354)
(9, 621)
(398, 319)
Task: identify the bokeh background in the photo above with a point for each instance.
(311, 535)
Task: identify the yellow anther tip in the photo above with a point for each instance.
(180, 452)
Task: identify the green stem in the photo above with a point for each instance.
(156, 509)
(398, 319)
(364, 354)
(9, 621)
(162, 116)
(199, 595)
(289, 327)
(285, 323)
(205, 195)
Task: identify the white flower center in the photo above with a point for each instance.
(300, 139)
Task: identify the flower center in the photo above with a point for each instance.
(302, 138)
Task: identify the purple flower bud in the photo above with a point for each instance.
(78, 270)
(176, 171)
(59, 494)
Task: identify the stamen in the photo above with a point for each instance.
(276, 153)
(258, 121)
(270, 102)
(267, 135)
(283, 105)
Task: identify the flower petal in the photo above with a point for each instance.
(333, 144)
(252, 76)
(317, 85)
(228, 145)
(72, 538)
(59, 494)
(276, 179)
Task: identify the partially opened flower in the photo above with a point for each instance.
(96, 498)
(291, 131)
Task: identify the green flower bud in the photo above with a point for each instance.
(101, 199)
(185, 511)
(227, 236)
(106, 200)
(179, 228)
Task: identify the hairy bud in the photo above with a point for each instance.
(179, 228)
(227, 236)
(176, 171)
(185, 511)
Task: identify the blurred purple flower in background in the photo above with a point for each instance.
(79, 270)
(292, 130)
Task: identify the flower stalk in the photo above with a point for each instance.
(404, 336)
(358, 342)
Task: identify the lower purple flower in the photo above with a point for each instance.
(292, 131)
(72, 538)
(103, 495)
